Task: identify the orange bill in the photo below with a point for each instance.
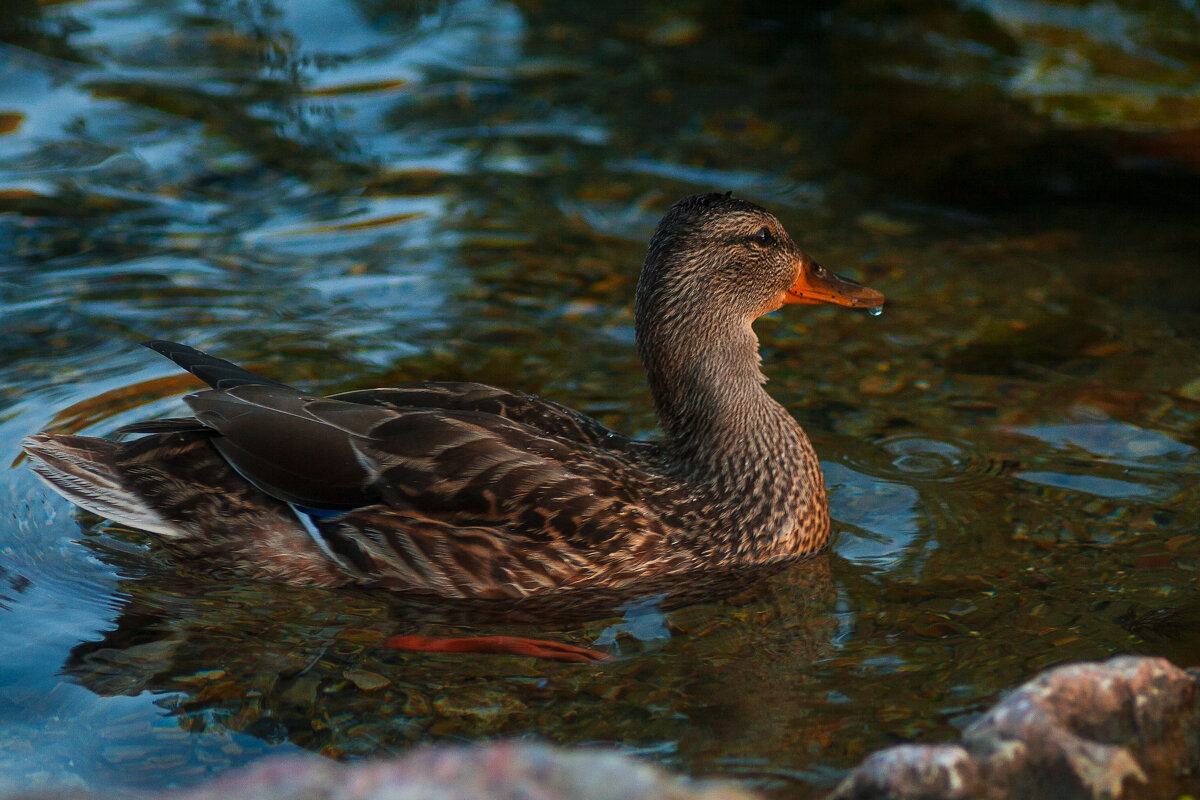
(815, 284)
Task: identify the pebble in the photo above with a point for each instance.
(880, 384)
(675, 32)
(367, 681)
(1190, 390)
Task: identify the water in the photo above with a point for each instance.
(342, 195)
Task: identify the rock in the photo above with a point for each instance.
(937, 772)
(505, 771)
(1125, 728)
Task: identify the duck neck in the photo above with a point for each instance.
(709, 396)
(736, 446)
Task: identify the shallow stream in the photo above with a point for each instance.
(349, 194)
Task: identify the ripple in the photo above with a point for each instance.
(916, 458)
(928, 458)
(777, 190)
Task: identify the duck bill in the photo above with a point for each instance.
(816, 284)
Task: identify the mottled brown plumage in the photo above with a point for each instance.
(466, 490)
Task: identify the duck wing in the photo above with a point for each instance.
(456, 465)
(546, 416)
(457, 452)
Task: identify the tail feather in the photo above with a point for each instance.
(165, 425)
(216, 372)
(83, 469)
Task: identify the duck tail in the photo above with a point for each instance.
(83, 469)
(216, 372)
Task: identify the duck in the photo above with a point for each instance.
(465, 490)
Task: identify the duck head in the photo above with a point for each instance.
(721, 262)
(716, 264)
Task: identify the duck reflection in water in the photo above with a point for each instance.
(312, 666)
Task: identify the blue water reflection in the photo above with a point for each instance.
(884, 516)
(1108, 458)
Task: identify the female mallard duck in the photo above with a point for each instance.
(466, 490)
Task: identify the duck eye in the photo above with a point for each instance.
(763, 236)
